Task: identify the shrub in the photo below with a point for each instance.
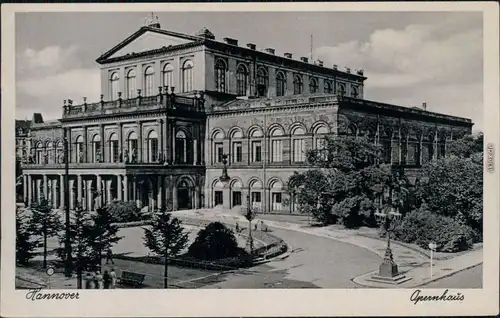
(215, 241)
(26, 243)
(122, 211)
(422, 226)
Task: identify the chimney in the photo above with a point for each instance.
(304, 59)
(231, 41)
(251, 46)
(347, 70)
(270, 50)
(335, 67)
(288, 55)
(424, 106)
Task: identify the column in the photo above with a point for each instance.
(195, 151)
(134, 189)
(196, 197)
(25, 188)
(78, 189)
(160, 192)
(61, 191)
(172, 144)
(30, 189)
(168, 192)
(54, 193)
(85, 147)
(101, 132)
(71, 195)
(108, 191)
(45, 187)
(99, 189)
(120, 143)
(125, 188)
(119, 187)
(164, 140)
(174, 197)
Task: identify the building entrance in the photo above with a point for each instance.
(183, 199)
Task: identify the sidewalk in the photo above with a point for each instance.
(411, 262)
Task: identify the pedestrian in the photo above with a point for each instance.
(262, 225)
(92, 281)
(237, 228)
(106, 279)
(88, 281)
(112, 274)
(255, 227)
(98, 280)
(109, 256)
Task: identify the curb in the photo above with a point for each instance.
(450, 274)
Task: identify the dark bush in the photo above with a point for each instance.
(422, 226)
(121, 211)
(215, 241)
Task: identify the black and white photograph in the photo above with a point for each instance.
(250, 150)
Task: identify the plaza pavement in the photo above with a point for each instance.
(325, 257)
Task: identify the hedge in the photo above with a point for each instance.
(422, 227)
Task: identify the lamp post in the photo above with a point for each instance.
(250, 215)
(224, 177)
(68, 262)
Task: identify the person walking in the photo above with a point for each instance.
(112, 274)
(109, 257)
(106, 279)
(98, 280)
(237, 228)
(92, 281)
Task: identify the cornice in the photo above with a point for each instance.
(272, 109)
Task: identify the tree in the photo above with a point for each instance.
(453, 187)
(165, 238)
(215, 241)
(467, 146)
(103, 234)
(46, 223)
(81, 251)
(346, 183)
(25, 241)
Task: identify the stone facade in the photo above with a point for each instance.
(169, 113)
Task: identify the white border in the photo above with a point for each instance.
(266, 302)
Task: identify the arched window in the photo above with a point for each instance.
(49, 150)
(313, 85)
(385, 142)
(298, 145)
(180, 147)
(131, 84)
(280, 84)
(261, 82)
(79, 149)
(132, 147)
(256, 194)
(59, 152)
(256, 145)
(354, 91)
(236, 146)
(241, 80)
(297, 85)
(39, 153)
(320, 141)
(276, 145)
(152, 146)
(96, 148)
(328, 87)
(114, 86)
(168, 75)
(342, 89)
(218, 147)
(113, 148)
(220, 76)
(187, 76)
(149, 79)
(275, 188)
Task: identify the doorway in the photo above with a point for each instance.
(183, 199)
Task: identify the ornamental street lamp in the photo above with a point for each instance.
(224, 177)
(250, 215)
(388, 216)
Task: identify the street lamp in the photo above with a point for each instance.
(250, 215)
(388, 217)
(224, 177)
(68, 262)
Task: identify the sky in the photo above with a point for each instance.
(408, 57)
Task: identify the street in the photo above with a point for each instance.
(470, 278)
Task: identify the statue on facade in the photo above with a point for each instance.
(120, 157)
(98, 156)
(125, 157)
(160, 157)
(45, 158)
(134, 156)
(61, 157)
(81, 156)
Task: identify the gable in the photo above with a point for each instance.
(149, 41)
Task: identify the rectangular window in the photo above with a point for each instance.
(276, 201)
(114, 151)
(219, 151)
(298, 150)
(236, 198)
(277, 150)
(237, 152)
(218, 198)
(256, 151)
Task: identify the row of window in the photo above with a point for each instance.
(255, 150)
(149, 86)
(113, 154)
(281, 82)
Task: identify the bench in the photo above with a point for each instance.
(132, 279)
